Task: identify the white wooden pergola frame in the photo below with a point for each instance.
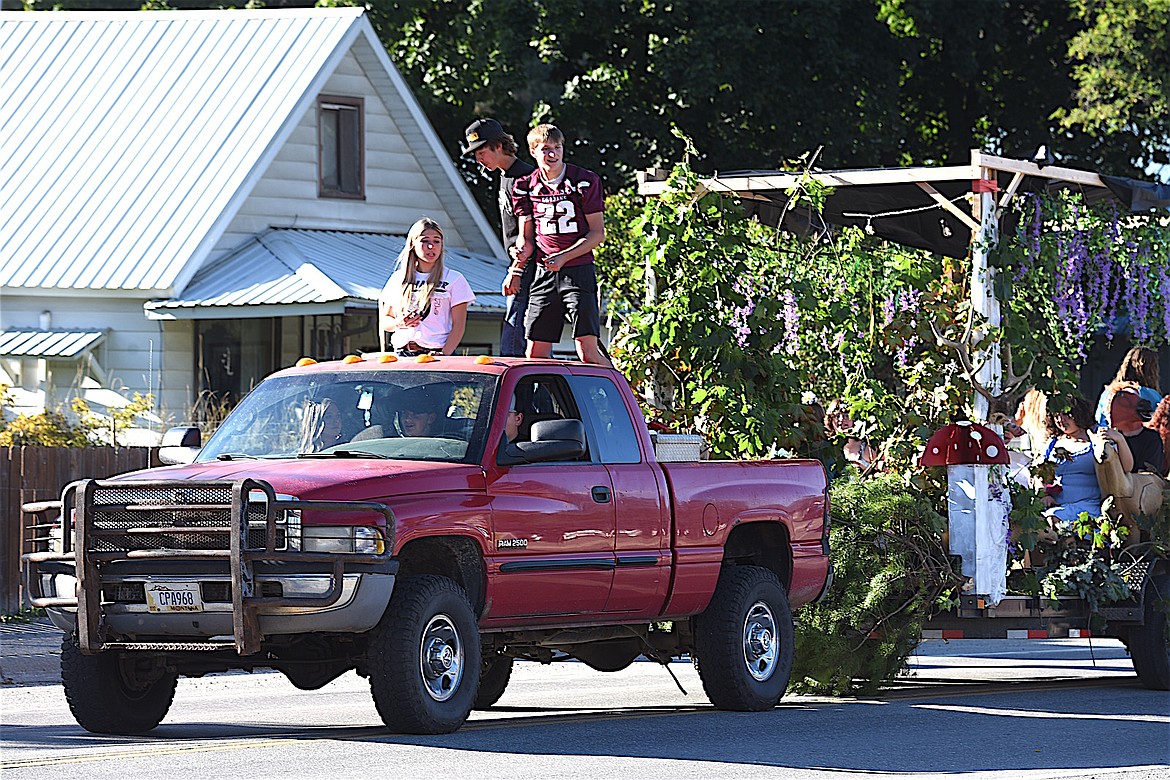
(988, 535)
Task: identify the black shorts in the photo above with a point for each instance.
(566, 295)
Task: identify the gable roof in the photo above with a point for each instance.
(317, 271)
(132, 138)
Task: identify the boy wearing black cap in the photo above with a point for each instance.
(495, 150)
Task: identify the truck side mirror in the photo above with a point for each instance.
(552, 440)
(180, 445)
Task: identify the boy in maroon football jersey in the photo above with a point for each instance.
(560, 208)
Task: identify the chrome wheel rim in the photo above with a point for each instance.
(760, 652)
(441, 658)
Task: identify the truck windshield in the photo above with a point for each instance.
(415, 415)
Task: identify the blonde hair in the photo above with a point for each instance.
(408, 261)
(542, 133)
(1032, 416)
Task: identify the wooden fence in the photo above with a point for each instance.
(39, 474)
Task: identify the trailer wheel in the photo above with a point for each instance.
(494, 675)
(744, 640)
(1149, 643)
(423, 657)
(115, 692)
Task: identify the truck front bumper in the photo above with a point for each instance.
(240, 581)
(363, 599)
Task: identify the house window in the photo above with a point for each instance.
(341, 147)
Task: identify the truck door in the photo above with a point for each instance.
(552, 523)
(642, 541)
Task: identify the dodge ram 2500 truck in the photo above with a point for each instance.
(426, 523)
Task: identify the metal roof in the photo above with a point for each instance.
(285, 266)
(48, 343)
(128, 135)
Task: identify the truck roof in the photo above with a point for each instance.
(384, 361)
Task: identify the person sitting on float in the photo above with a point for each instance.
(1074, 489)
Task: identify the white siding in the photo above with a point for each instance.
(398, 191)
(138, 355)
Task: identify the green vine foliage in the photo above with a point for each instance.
(729, 326)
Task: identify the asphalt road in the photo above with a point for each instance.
(980, 709)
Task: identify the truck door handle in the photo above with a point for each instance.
(601, 494)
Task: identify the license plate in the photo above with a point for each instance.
(173, 597)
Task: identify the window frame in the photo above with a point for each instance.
(332, 104)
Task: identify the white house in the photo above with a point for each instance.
(193, 199)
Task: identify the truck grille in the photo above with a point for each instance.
(173, 518)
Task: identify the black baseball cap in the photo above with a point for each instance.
(480, 132)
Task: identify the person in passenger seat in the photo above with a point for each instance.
(417, 413)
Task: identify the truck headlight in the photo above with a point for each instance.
(362, 539)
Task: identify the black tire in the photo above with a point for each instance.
(423, 657)
(108, 694)
(744, 640)
(495, 672)
(1149, 643)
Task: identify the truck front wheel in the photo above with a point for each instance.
(115, 692)
(423, 657)
(1149, 643)
(744, 640)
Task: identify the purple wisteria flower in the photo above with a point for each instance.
(740, 315)
(1035, 223)
(1139, 311)
(890, 308)
(1164, 292)
(791, 316)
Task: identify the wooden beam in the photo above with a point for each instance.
(1029, 168)
(648, 185)
(652, 181)
(946, 204)
(1010, 192)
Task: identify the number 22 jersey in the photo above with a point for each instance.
(560, 212)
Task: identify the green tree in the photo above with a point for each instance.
(873, 82)
(1122, 71)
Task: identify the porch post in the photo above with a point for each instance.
(991, 503)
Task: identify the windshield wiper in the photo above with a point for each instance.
(236, 456)
(343, 454)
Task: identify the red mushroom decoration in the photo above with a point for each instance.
(964, 442)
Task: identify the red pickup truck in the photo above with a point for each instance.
(426, 523)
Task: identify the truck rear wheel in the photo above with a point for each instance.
(423, 657)
(493, 679)
(744, 640)
(115, 692)
(1149, 643)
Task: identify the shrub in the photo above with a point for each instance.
(891, 572)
